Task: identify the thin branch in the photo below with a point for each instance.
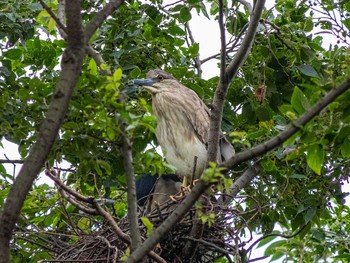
(247, 5)
(53, 16)
(78, 205)
(276, 235)
(226, 75)
(11, 161)
(197, 60)
(223, 44)
(244, 179)
(131, 188)
(112, 223)
(100, 17)
(175, 3)
(121, 234)
(217, 248)
(247, 42)
(54, 176)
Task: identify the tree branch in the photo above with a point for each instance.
(11, 161)
(226, 75)
(131, 187)
(71, 64)
(101, 16)
(289, 132)
(242, 181)
(247, 42)
(197, 61)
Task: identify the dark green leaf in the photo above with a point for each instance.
(299, 101)
(345, 147)
(185, 15)
(308, 71)
(314, 157)
(13, 54)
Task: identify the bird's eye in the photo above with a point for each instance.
(160, 77)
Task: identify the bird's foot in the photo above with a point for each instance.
(181, 195)
(194, 182)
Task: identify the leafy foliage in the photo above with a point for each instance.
(289, 69)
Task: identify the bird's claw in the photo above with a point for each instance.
(181, 195)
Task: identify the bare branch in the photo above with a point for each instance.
(11, 161)
(276, 235)
(247, 42)
(53, 175)
(197, 61)
(100, 17)
(131, 186)
(242, 181)
(71, 63)
(121, 234)
(217, 248)
(223, 46)
(226, 75)
(53, 16)
(112, 223)
(247, 5)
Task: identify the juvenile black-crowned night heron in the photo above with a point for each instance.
(154, 191)
(183, 125)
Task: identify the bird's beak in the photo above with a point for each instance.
(143, 82)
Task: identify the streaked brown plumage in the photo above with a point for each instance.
(183, 124)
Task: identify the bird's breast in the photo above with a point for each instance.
(178, 139)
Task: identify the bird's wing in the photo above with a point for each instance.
(197, 114)
(226, 149)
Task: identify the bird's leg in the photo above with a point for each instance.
(181, 194)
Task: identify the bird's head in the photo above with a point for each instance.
(157, 80)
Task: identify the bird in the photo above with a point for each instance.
(183, 122)
(153, 191)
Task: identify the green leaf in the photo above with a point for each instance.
(314, 157)
(346, 22)
(310, 213)
(135, 72)
(92, 67)
(13, 54)
(299, 101)
(148, 224)
(298, 176)
(345, 148)
(271, 249)
(176, 30)
(117, 75)
(277, 255)
(309, 25)
(185, 15)
(105, 165)
(267, 240)
(194, 49)
(308, 71)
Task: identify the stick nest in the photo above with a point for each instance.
(213, 240)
